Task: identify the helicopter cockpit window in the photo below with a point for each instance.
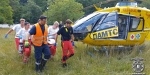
(134, 4)
(108, 22)
(83, 19)
(86, 23)
(136, 24)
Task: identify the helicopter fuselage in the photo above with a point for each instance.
(114, 26)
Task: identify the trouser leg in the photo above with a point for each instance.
(37, 67)
(43, 63)
(71, 50)
(65, 51)
(47, 54)
(38, 57)
(53, 50)
(46, 51)
(17, 43)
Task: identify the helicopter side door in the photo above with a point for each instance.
(107, 27)
(136, 28)
(123, 25)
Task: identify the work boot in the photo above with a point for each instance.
(43, 63)
(64, 65)
(37, 68)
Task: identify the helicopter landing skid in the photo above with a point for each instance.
(118, 48)
(140, 48)
(104, 49)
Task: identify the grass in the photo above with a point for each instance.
(80, 64)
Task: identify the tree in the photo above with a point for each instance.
(31, 12)
(27, 9)
(17, 10)
(43, 4)
(5, 12)
(145, 4)
(60, 10)
(23, 2)
(87, 3)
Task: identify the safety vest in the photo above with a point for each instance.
(39, 38)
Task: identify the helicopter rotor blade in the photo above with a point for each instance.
(107, 1)
(104, 2)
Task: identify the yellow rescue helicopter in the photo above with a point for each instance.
(125, 24)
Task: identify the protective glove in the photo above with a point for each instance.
(48, 34)
(72, 43)
(26, 43)
(55, 44)
(6, 35)
(20, 37)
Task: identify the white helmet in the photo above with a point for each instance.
(51, 41)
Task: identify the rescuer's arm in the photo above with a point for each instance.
(56, 38)
(10, 31)
(72, 37)
(26, 41)
(58, 33)
(27, 36)
(6, 35)
(31, 32)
